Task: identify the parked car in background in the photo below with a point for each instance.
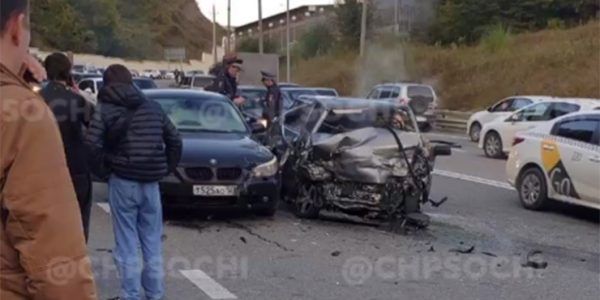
(198, 82)
(92, 85)
(255, 97)
(153, 74)
(292, 95)
(144, 83)
(501, 109)
(558, 160)
(421, 98)
(327, 92)
(169, 75)
(497, 136)
(221, 167)
(77, 77)
(135, 73)
(287, 85)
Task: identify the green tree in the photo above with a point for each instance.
(318, 40)
(348, 18)
(250, 44)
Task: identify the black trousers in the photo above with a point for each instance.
(83, 190)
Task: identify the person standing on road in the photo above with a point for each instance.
(138, 145)
(40, 224)
(73, 114)
(226, 81)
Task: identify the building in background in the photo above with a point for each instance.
(274, 27)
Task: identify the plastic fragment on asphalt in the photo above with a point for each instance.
(463, 250)
(534, 260)
(336, 253)
(243, 239)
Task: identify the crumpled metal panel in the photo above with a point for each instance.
(368, 155)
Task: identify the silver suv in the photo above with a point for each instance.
(421, 98)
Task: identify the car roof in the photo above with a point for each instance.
(402, 84)
(331, 103)
(294, 88)
(251, 87)
(184, 93)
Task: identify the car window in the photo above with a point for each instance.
(503, 106)
(519, 103)
(560, 109)
(419, 91)
(395, 93)
(579, 130)
(373, 94)
(202, 81)
(254, 98)
(203, 115)
(385, 93)
(534, 113)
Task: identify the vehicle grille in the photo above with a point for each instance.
(203, 174)
(229, 173)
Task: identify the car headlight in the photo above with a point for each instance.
(263, 122)
(267, 169)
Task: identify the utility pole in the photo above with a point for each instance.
(228, 44)
(214, 37)
(260, 28)
(363, 28)
(288, 57)
(396, 16)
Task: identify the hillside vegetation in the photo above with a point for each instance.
(560, 62)
(132, 28)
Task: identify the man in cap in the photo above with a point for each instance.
(227, 78)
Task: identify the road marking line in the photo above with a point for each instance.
(494, 183)
(209, 286)
(105, 207)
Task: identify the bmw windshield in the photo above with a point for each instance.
(202, 115)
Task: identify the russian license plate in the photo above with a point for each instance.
(215, 190)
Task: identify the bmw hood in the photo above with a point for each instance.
(228, 150)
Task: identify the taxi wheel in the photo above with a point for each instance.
(532, 189)
(492, 145)
(474, 132)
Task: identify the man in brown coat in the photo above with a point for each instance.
(42, 248)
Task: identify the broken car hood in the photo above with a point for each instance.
(369, 155)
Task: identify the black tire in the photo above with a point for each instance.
(532, 188)
(267, 211)
(475, 132)
(492, 145)
(306, 205)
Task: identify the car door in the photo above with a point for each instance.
(374, 94)
(576, 175)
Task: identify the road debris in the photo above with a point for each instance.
(534, 260)
(336, 253)
(243, 239)
(489, 254)
(463, 250)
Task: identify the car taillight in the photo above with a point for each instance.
(518, 140)
(403, 101)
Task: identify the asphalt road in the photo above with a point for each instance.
(246, 257)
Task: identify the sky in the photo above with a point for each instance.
(246, 11)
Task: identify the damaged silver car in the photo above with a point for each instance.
(361, 159)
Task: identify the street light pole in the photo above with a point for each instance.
(260, 28)
(228, 44)
(396, 16)
(288, 58)
(363, 28)
(214, 37)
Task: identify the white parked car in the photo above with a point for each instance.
(89, 88)
(501, 109)
(421, 98)
(153, 74)
(558, 160)
(497, 136)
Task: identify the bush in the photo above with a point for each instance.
(251, 45)
(496, 38)
(318, 40)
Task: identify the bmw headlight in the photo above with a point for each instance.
(267, 169)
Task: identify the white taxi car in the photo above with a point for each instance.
(558, 160)
(501, 109)
(496, 136)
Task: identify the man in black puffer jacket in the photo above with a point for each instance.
(136, 142)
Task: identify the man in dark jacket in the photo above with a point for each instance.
(139, 145)
(273, 99)
(226, 78)
(73, 114)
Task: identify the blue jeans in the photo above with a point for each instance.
(137, 221)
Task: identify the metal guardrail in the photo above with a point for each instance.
(449, 120)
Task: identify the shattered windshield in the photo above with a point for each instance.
(344, 120)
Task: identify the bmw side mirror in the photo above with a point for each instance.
(441, 150)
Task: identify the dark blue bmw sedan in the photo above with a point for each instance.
(222, 166)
